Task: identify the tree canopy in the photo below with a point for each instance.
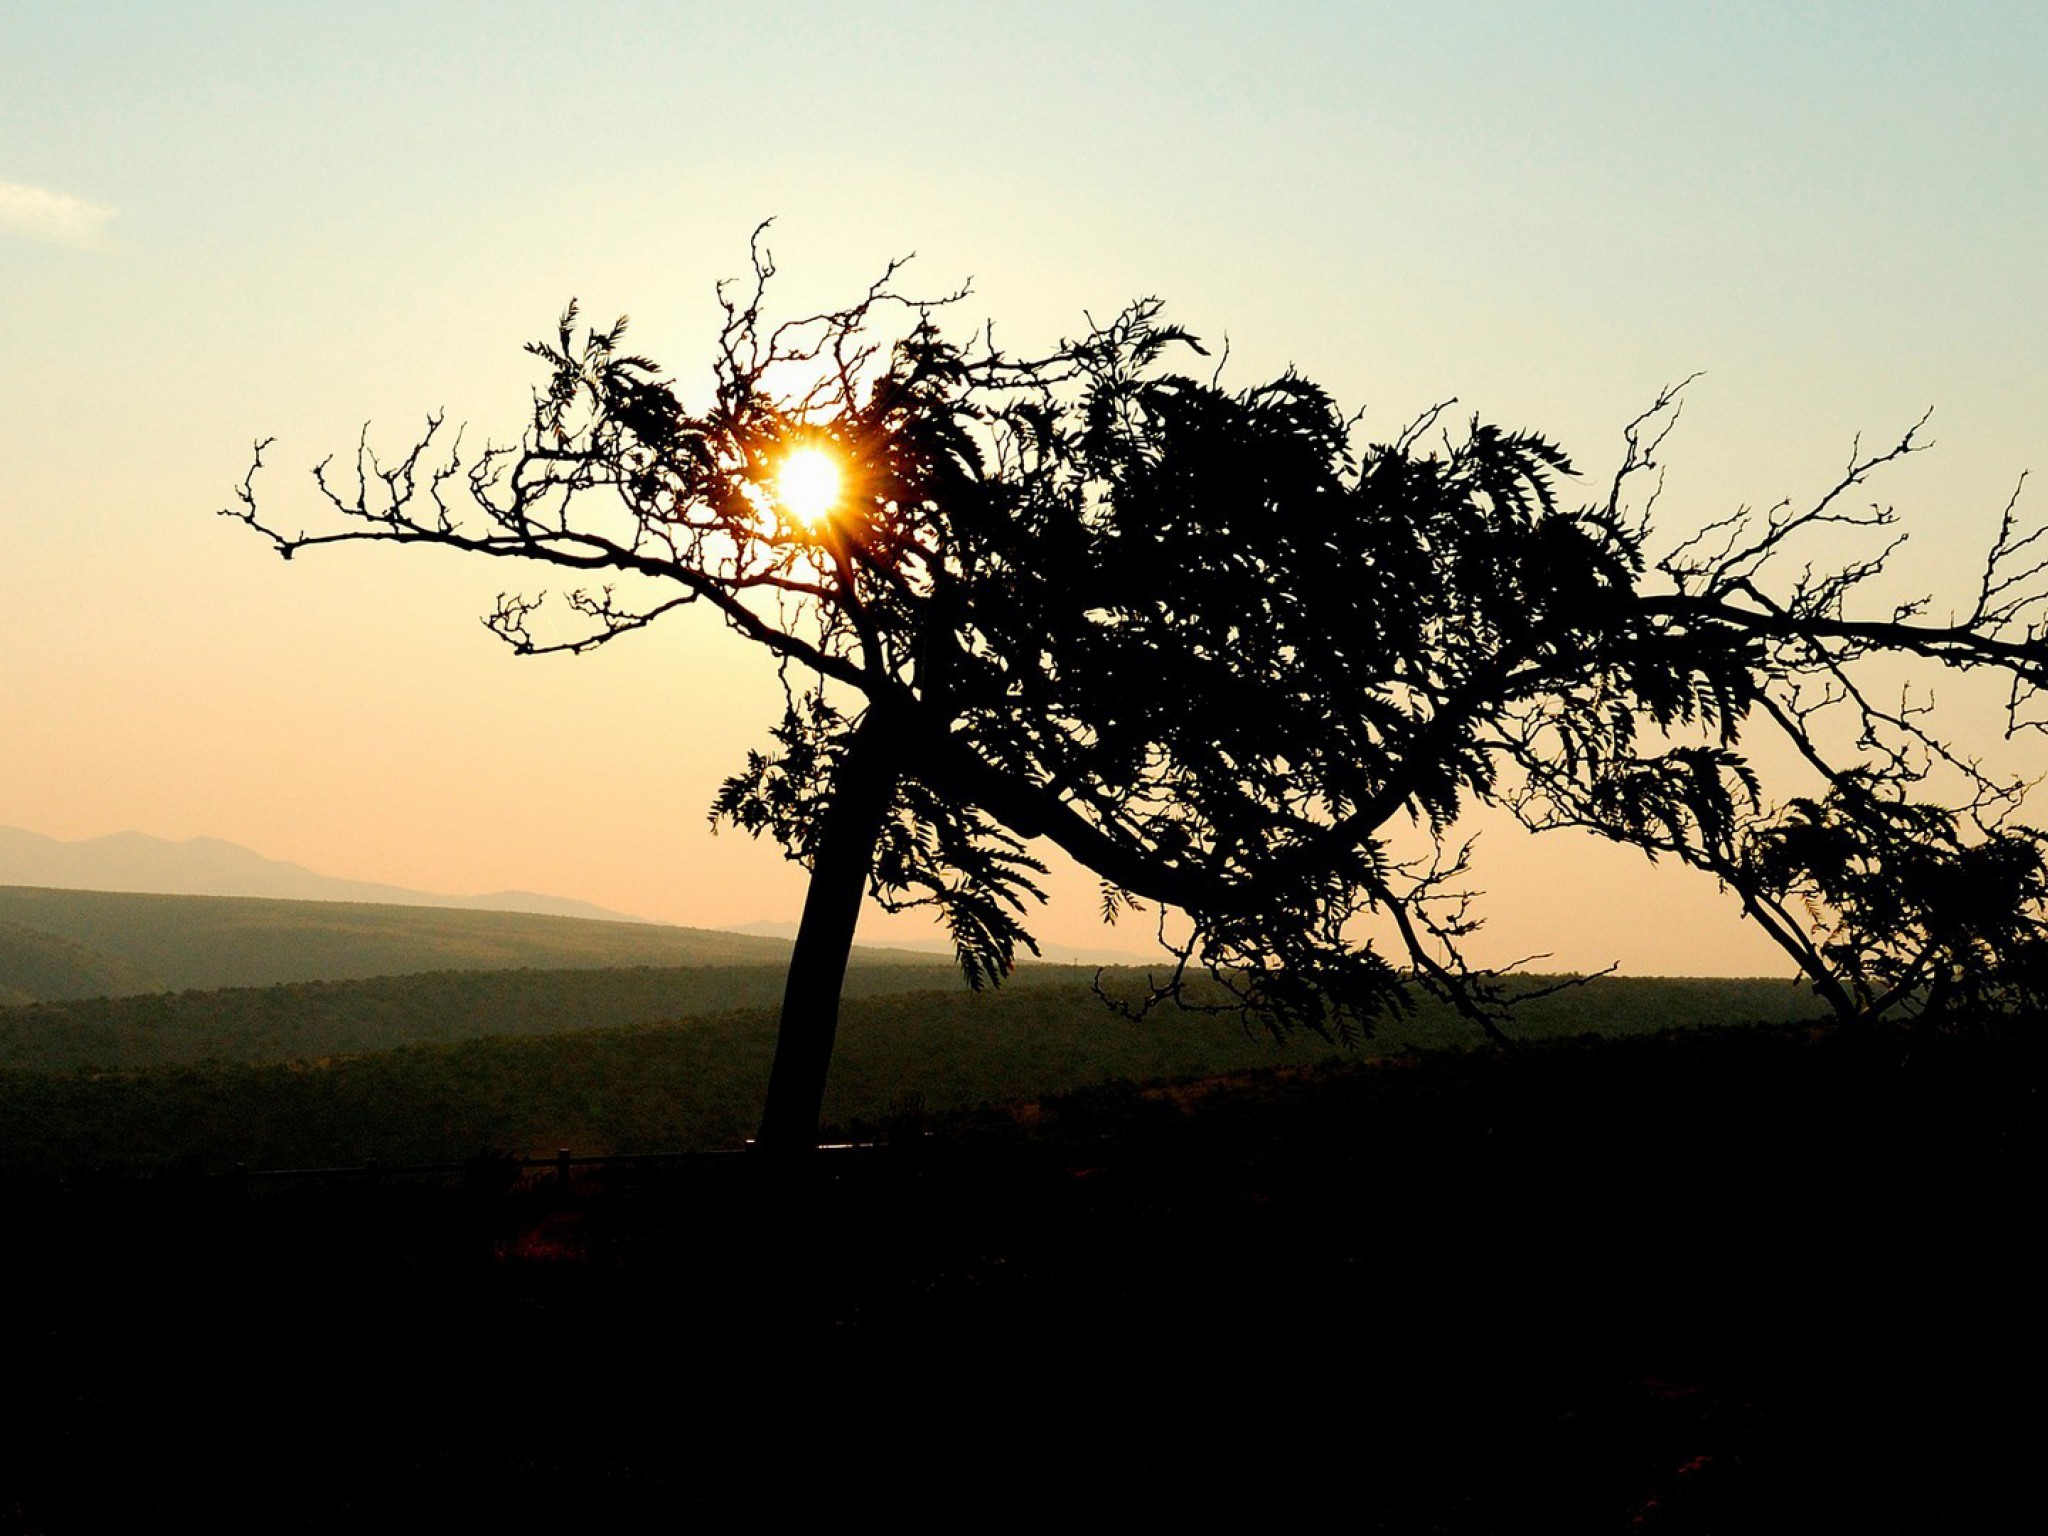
(1220, 649)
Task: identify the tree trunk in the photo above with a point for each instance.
(861, 794)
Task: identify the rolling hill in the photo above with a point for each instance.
(140, 943)
(45, 967)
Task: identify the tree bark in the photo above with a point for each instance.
(862, 790)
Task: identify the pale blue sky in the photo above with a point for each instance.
(317, 214)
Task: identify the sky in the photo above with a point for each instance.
(220, 222)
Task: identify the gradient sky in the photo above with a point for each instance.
(219, 222)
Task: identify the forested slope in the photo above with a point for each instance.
(561, 1060)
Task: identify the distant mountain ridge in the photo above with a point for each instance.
(210, 866)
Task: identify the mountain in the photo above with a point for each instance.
(208, 866)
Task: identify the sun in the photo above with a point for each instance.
(808, 484)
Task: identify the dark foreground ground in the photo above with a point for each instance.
(1739, 1281)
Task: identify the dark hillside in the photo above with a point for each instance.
(311, 1021)
(435, 1067)
(317, 1020)
(1733, 1280)
(691, 1085)
(37, 966)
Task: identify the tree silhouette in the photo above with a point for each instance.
(1220, 653)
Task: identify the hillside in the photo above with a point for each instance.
(317, 1020)
(264, 1077)
(313, 1021)
(157, 942)
(36, 966)
(1708, 1282)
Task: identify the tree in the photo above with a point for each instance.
(1220, 653)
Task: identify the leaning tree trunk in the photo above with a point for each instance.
(862, 790)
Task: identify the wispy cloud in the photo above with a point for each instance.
(56, 217)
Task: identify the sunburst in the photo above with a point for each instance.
(809, 484)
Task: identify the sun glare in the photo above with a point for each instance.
(808, 484)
